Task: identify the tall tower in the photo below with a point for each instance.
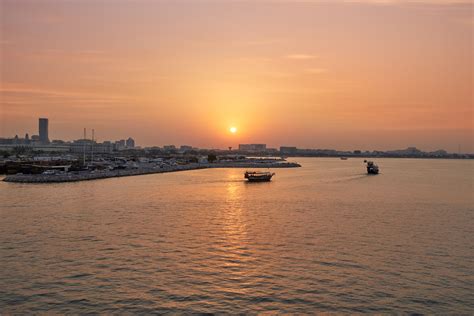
(43, 130)
(130, 143)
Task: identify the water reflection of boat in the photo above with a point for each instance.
(343, 158)
(372, 168)
(258, 176)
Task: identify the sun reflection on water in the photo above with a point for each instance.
(235, 256)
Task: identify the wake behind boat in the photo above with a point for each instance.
(258, 176)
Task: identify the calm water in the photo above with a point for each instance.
(324, 237)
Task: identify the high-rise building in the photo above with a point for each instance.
(130, 142)
(43, 130)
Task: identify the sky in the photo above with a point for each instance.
(370, 75)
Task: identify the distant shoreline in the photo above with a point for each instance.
(388, 157)
(105, 174)
(466, 157)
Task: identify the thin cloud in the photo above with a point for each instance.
(432, 2)
(19, 89)
(301, 56)
(380, 2)
(56, 55)
(254, 59)
(261, 42)
(278, 74)
(316, 70)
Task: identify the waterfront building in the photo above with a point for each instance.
(130, 143)
(409, 152)
(252, 147)
(169, 147)
(87, 145)
(43, 130)
(4, 146)
(272, 151)
(81, 145)
(14, 141)
(120, 144)
(185, 148)
(103, 148)
(6, 141)
(203, 159)
(51, 148)
(288, 150)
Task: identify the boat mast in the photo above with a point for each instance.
(92, 147)
(84, 147)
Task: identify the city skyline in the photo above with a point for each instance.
(42, 141)
(89, 134)
(374, 76)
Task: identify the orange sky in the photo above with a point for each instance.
(313, 74)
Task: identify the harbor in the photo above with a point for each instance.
(136, 170)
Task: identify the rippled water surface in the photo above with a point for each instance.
(324, 237)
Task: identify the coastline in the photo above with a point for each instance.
(144, 170)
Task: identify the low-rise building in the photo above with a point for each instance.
(252, 147)
(185, 148)
(88, 146)
(169, 147)
(288, 150)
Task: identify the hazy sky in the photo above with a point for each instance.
(313, 74)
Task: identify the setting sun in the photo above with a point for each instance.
(233, 130)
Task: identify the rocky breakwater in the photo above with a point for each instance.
(142, 170)
(96, 174)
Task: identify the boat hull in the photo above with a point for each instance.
(259, 179)
(258, 176)
(372, 170)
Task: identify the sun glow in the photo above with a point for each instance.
(233, 130)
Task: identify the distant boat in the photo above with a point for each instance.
(343, 158)
(258, 176)
(372, 168)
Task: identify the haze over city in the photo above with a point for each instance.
(313, 74)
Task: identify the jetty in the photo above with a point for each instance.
(142, 169)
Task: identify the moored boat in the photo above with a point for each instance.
(258, 176)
